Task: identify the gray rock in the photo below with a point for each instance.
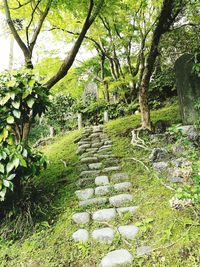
(87, 155)
(108, 142)
(81, 218)
(128, 231)
(143, 250)
(84, 182)
(95, 135)
(96, 166)
(80, 151)
(105, 156)
(97, 144)
(89, 173)
(110, 169)
(130, 210)
(102, 190)
(181, 162)
(85, 146)
(120, 200)
(97, 128)
(92, 150)
(119, 176)
(89, 160)
(159, 154)
(121, 187)
(85, 193)
(104, 235)
(101, 180)
(93, 201)
(117, 258)
(178, 149)
(104, 215)
(81, 235)
(160, 166)
(106, 147)
(175, 179)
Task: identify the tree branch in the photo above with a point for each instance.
(68, 61)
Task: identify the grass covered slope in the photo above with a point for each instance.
(173, 233)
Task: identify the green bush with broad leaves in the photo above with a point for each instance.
(22, 98)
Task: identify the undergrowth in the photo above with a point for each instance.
(173, 234)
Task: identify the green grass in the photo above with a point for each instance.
(172, 233)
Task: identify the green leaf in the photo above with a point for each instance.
(31, 83)
(17, 113)
(10, 177)
(10, 120)
(11, 83)
(2, 194)
(25, 153)
(23, 163)
(1, 168)
(8, 184)
(5, 134)
(16, 162)
(26, 93)
(10, 166)
(4, 100)
(16, 104)
(30, 102)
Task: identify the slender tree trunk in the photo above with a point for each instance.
(169, 11)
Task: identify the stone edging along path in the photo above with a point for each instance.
(112, 187)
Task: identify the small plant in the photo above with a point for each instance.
(22, 98)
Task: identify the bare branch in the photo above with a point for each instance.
(21, 5)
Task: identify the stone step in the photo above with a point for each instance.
(128, 231)
(120, 200)
(122, 187)
(117, 258)
(103, 235)
(118, 177)
(81, 235)
(104, 215)
(90, 173)
(106, 235)
(111, 169)
(81, 218)
(103, 190)
(89, 160)
(85, 193)
(93, 201)
(96, 166)
(101, 180)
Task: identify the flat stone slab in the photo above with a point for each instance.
(89, 160)
(119, 176)
(123, 210)
(93, 201)
(113, 168)
(143, 250)
(104, 215)
(104, 235)
(81, 218)
(84, 146)
(102, 190)
(117, 258)
(106, 156)
(97, 144)
(89, 173)
(120, 200)
(121, 187)
(81, 235)
(96, 166)
(102, 180)
(85, 193)
(128, 231)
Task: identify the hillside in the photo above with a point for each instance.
(172, 234)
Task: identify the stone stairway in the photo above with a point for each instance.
(104, 195)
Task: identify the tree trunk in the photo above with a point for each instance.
(165, 20)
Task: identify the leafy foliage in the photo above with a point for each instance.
(22, 98)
